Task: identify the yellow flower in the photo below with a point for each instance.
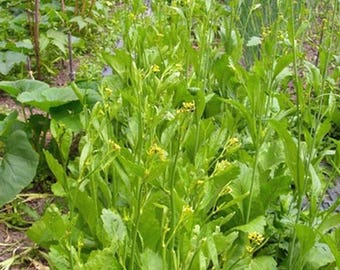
(179, 67)
(114, 146)
(187, 107)
(107, 92)
(226, 190)
(222, 165)
(156, 150)
(256, 238)
(155, 68)
(249, 249)
(187, 211)
(132, 16)
(232, 141)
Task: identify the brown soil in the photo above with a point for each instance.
(14, 243)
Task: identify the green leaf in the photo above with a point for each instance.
(49, 229)
(102, 259)
(282, 69)
(247, 115)
(256, 225)
(330, 222)
(17, 167)
(319, 256)
(333, 246)
(9, 59)
(113, 225)
(7, 123)
(58, 258)
(306, 236)
(80, 21)
(58, 38)
(151, 260)
(57, 170)
(263, 263)
(26, 44)
(254, 41)
(294, 162)
(47, 98)
(16, 87)
(213, 252)
(120, 62)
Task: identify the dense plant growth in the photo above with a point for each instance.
(210, 145)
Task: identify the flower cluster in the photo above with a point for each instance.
(187, 107)
(155, 68)
(156, 150)
(222, 165)
(255, 239)
(114, 146)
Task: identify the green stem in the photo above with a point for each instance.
(299, 124)
(136, 224)
(251, 191)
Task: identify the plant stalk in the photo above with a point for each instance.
(36, 37)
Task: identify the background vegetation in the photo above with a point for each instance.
(196, 135)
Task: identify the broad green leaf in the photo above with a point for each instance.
(14, 88)
(57, 170)
(26, 43)
(151, 260)
(69, 115)
(113, 225)
(330, 222)
(294, 162)
(282, 69)
(17, 166)
(255, 225)
(7, 123)
(263, 263)
(333, 246)
(103, 260)
(273, 188)
(49, 229)
(47, 98)
(247, 115)
(59, 259)
(319, 256)
(151, 217)
(80, 21)
(58, 38)
(306, 237)
(120, 62)
(8, 59)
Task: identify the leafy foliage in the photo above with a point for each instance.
(195, 154)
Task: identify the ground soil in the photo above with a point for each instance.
(14, 243)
